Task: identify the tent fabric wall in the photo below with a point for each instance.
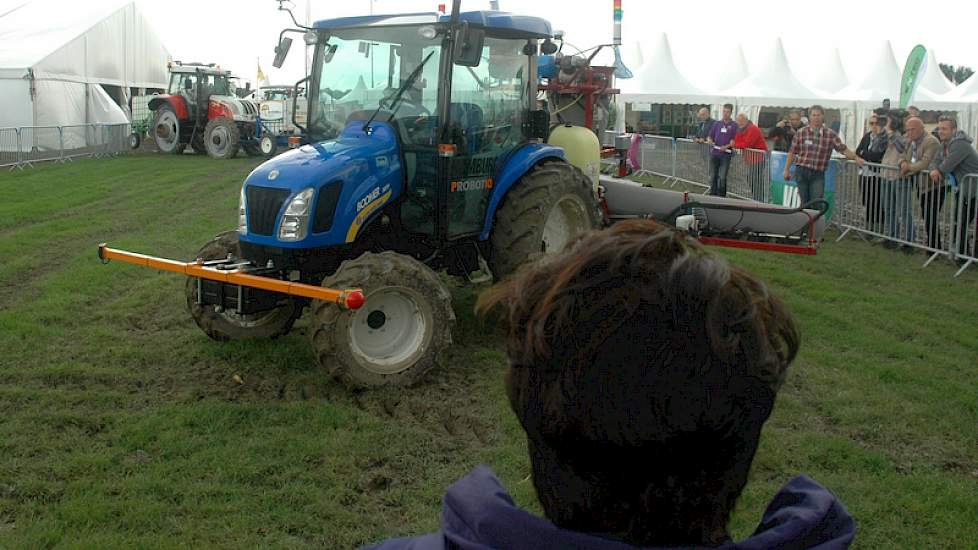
(68, 50)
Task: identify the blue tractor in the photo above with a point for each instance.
(426, 153)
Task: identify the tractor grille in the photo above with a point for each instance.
(249, 107)
(264, 204)
(326, 207)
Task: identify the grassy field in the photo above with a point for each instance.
(122, 425)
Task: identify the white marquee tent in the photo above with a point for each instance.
(55, 58)
(832, 76)
(659, 81)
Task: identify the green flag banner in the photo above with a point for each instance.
(912, 71)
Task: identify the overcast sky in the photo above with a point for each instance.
(239, 33)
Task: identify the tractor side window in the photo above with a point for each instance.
(487, 108)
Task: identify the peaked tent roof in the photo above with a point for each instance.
(775, 84)
(659, 81)
(933, 84)
(882, 81)
(732, 72)
(832, 76)
(967, 90)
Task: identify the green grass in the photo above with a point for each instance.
(121, 424)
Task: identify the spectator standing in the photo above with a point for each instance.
(750, 141)
(657, 454)
(957, 158)
(721, 138)
(921, 150)
(811, 151)
(897, 191)
(871, 149)
(705, 125)
(784, 132)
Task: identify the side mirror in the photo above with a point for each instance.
(281, 51)
(468, 46)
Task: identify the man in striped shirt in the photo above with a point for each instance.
(811, 150)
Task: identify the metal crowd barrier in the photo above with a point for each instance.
(25, 146)
(908, 211)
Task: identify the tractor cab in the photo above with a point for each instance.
(456, 105)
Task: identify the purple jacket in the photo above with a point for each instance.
(721, 137)
(480, 515)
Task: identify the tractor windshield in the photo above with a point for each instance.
(367, 66)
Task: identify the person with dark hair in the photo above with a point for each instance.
(897, 190)
(642, 369)
(956, 159)
(784, 131)
(721, 138)
(812, 149)
(871, 149)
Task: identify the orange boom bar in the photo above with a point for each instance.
(349, 298)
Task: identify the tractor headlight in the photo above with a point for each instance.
(295, 221)
(242, 213)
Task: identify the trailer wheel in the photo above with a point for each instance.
(398, 334)
(222, 138)
(166, 131)
(268, 146)
(226, 325)
(134, 140)
(547, 208)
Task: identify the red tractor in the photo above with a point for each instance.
(200, 109)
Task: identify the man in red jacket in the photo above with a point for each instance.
(754, 149)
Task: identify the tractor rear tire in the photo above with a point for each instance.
(547, 208)
(225, 325)
(222, 138)
(166, 131)
(399, 333)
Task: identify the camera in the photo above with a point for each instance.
(884, 117)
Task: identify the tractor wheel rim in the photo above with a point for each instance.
(219, 140)
(266, 145)
(167, 131)
(391, 330)
(565, 221)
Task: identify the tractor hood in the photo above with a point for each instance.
(352, 177)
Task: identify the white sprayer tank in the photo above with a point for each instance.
(581, 147)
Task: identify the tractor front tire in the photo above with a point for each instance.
(166, 131)
(550, 206)
(222, 138)
(226, 325)
(400, 332)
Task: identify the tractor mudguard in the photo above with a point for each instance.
(177, 102)
(216, 109)
(516, 165)
(357, 173)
